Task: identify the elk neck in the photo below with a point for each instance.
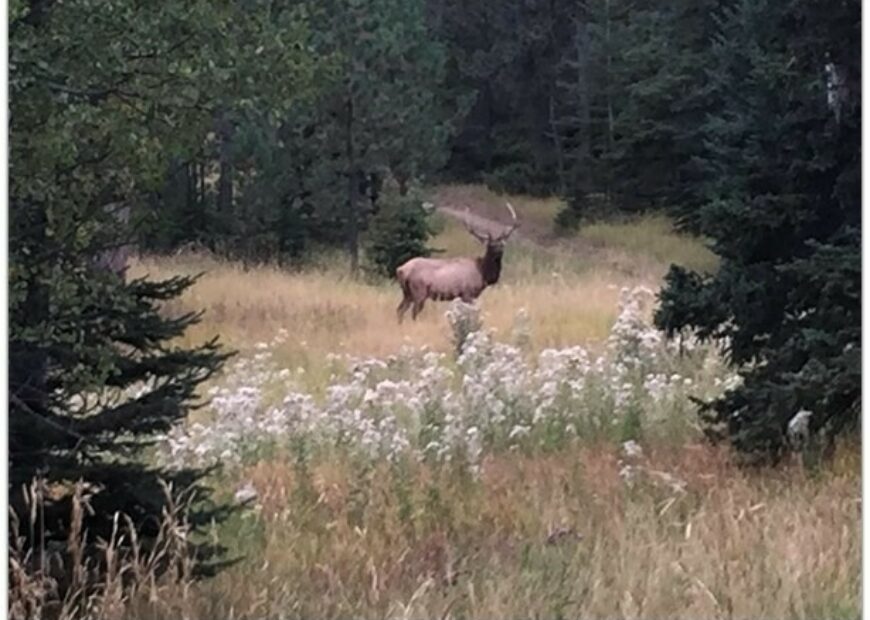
(490, 265)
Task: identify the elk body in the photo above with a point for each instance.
(443, 279)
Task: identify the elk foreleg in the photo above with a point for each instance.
(418, 308)
(403, 307)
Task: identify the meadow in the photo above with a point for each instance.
(536, 455)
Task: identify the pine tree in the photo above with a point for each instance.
(397, 233)
(95, 375)
(782, 207)
(381, 107)
(503, 58)
(632, 95)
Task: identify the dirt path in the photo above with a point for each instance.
(488, 213)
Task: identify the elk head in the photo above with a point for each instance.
(490, 262)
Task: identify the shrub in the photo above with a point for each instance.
(464, 320)
(397, 233)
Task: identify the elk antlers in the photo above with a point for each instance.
(514, 226)
(489, 238)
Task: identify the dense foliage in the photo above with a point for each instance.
(602, 103)
(93, 373)
(398, 232)
(782, 206)
(301, 160)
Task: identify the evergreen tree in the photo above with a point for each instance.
(382, 100)
(94, 373)
(398, 232)
(299, 160)
(783, 211)
(632, 95)
(588, 97)
(503, 57)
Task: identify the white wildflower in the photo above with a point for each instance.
(631, 449)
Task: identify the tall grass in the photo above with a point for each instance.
(332, 312)
(548, 537)
(654, 237)
(114, 579)
(564, 535)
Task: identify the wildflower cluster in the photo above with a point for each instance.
(464, 320)
(491, 396)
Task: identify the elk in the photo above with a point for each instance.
(443, 279)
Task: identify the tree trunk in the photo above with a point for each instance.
(557, 143)
(352, 189)
(225, 180)
(488, 141)
(402, 180)
(608, 176)
(28, 364)
(202, 186)
(191, 203)
(582, 46)
(115, 258)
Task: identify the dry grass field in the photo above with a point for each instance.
(586, 528)
(568, 287)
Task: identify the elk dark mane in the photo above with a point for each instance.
(490, 266)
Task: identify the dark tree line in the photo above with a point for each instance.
(602, 102)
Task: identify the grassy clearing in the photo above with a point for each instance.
(652, 236)
(643, 245)
(536, 214)
(328, 311)
(569, 288)
(408, 542)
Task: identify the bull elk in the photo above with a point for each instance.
(443, 279)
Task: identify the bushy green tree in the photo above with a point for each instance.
(782, 170)
(230, 192)
(501, 75)
(632, 94)
(319, 103)
(101, 96)
(381, 106)
(398, 232)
